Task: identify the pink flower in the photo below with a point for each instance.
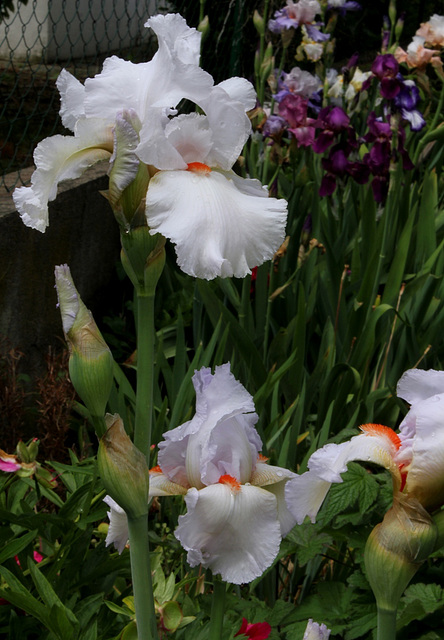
(8, 463)
(417, 55)
(433, 31)
(258, 630)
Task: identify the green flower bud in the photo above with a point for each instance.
(28, 453)
(143, 258)
(396, 548)
(392, 11)
(33, 449)
(123, 469)
(259, 22)
(90, 361)
(204, 27)
(399, 28)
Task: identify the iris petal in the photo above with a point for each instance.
(221, 224)
(234, 533)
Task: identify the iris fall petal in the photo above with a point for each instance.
(221, 224)
(234, 533)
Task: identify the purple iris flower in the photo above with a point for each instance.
(337, 166)
(315, 102)
(294, 109)
(406, 102)
(386, 68)
(381, 153)
(332, 120)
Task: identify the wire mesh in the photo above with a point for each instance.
(37, 40)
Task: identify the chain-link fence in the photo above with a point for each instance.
(40, 37)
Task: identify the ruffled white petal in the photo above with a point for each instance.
(118, 525)
(72, 96)
(174, 33)
(60, 158)
(274, 479)
(241, 90)
(306, 493)
(416, 385)
(230, 127)
(170, 76)
(221, 224)
(234, 533)
(422, 436)
(219, 440)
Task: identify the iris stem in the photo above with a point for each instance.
(141, 575)
(217, 609)
(145, 373)
(386, 624)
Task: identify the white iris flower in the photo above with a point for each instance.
(415, 456)
(221, 224)
(236, 512)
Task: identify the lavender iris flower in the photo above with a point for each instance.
(315, 34)
(343, 6)
(274, 126)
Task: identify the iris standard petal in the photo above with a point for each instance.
(174, 33)
(60, 158)
(72, 96)
(220, 439)
(417, 384)
(240, 89)
(221, 224)
(230, 127)
(233, 532)
(161, 82)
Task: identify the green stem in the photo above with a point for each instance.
(141, 575)
(268, 315)
(386, 624)
(217, 609)
(145, 373)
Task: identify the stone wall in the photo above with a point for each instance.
(83, 234)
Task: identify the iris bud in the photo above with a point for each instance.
(396, 548)
(90, 361)
(123, 469)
